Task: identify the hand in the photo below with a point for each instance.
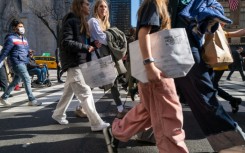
(97, 44)
(153, 73)
(40, 65)
(90, 49)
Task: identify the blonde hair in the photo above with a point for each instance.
(104, 23)
(76, 9)
(161, 6)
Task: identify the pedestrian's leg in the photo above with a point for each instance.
(64, 102)
(21, 70)
(198, 90)
(242, 74)
(58, 72)
(231, 72)
(11, 87)
(116, 94)
(223, 94)
(136, 120)
(161, 101)
(85, 97)
(3, 78)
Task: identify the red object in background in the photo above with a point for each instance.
(17, 88)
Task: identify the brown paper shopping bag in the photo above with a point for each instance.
(216, 49)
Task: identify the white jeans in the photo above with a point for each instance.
(75, 84)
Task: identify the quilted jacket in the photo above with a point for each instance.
(16, 48)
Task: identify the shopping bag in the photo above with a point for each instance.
(171, 51)
(99, 72)
(216, 50)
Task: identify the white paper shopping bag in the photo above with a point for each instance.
(171, 51)
(99, 72)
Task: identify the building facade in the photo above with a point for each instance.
(39, 36)
(120, 14)
(238, 18)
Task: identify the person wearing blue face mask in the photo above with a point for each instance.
(16, 48)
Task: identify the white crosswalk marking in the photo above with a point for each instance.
(46, 97)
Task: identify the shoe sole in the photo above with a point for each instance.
(108, 139)
(4, 103)
(56, 120)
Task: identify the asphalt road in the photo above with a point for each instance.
(26, 129)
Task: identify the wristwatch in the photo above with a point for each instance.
(148, 60)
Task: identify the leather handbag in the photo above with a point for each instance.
(216, 50)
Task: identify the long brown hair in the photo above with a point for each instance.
(76, 9)
(104, 23)
(162, 9)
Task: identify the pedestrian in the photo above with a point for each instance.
(75, 50)
(219, 71)
(17, 49)
(98, 24)
(197, 87)
(59, 72)
(159, 107)
(237, 64)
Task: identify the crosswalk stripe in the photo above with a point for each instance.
(46, 99)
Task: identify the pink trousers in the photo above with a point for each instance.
(160, 109)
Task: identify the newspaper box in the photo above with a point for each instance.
(99, 72)
(171, 51)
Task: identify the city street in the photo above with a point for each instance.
(26, 129)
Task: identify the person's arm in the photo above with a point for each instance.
(8, 45)
(32, 64)
(153, 73)
(96, 32)
(68, 39)
(237, 33)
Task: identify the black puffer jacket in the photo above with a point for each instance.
(73, 43)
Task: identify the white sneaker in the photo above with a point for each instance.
(34, 103)
(60, 121)
(100, 127)
(5, 102)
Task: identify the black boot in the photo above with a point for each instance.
(235, 104)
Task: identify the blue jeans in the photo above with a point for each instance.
(21, 73)
(40, 72)
(198, 91)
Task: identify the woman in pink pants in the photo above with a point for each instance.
(160, 107)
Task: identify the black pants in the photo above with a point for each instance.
(197, 89)
(223, 94)
(240, 69)
(59, 73)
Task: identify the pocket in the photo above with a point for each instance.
(166, 85)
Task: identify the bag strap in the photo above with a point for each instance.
(97, 54)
